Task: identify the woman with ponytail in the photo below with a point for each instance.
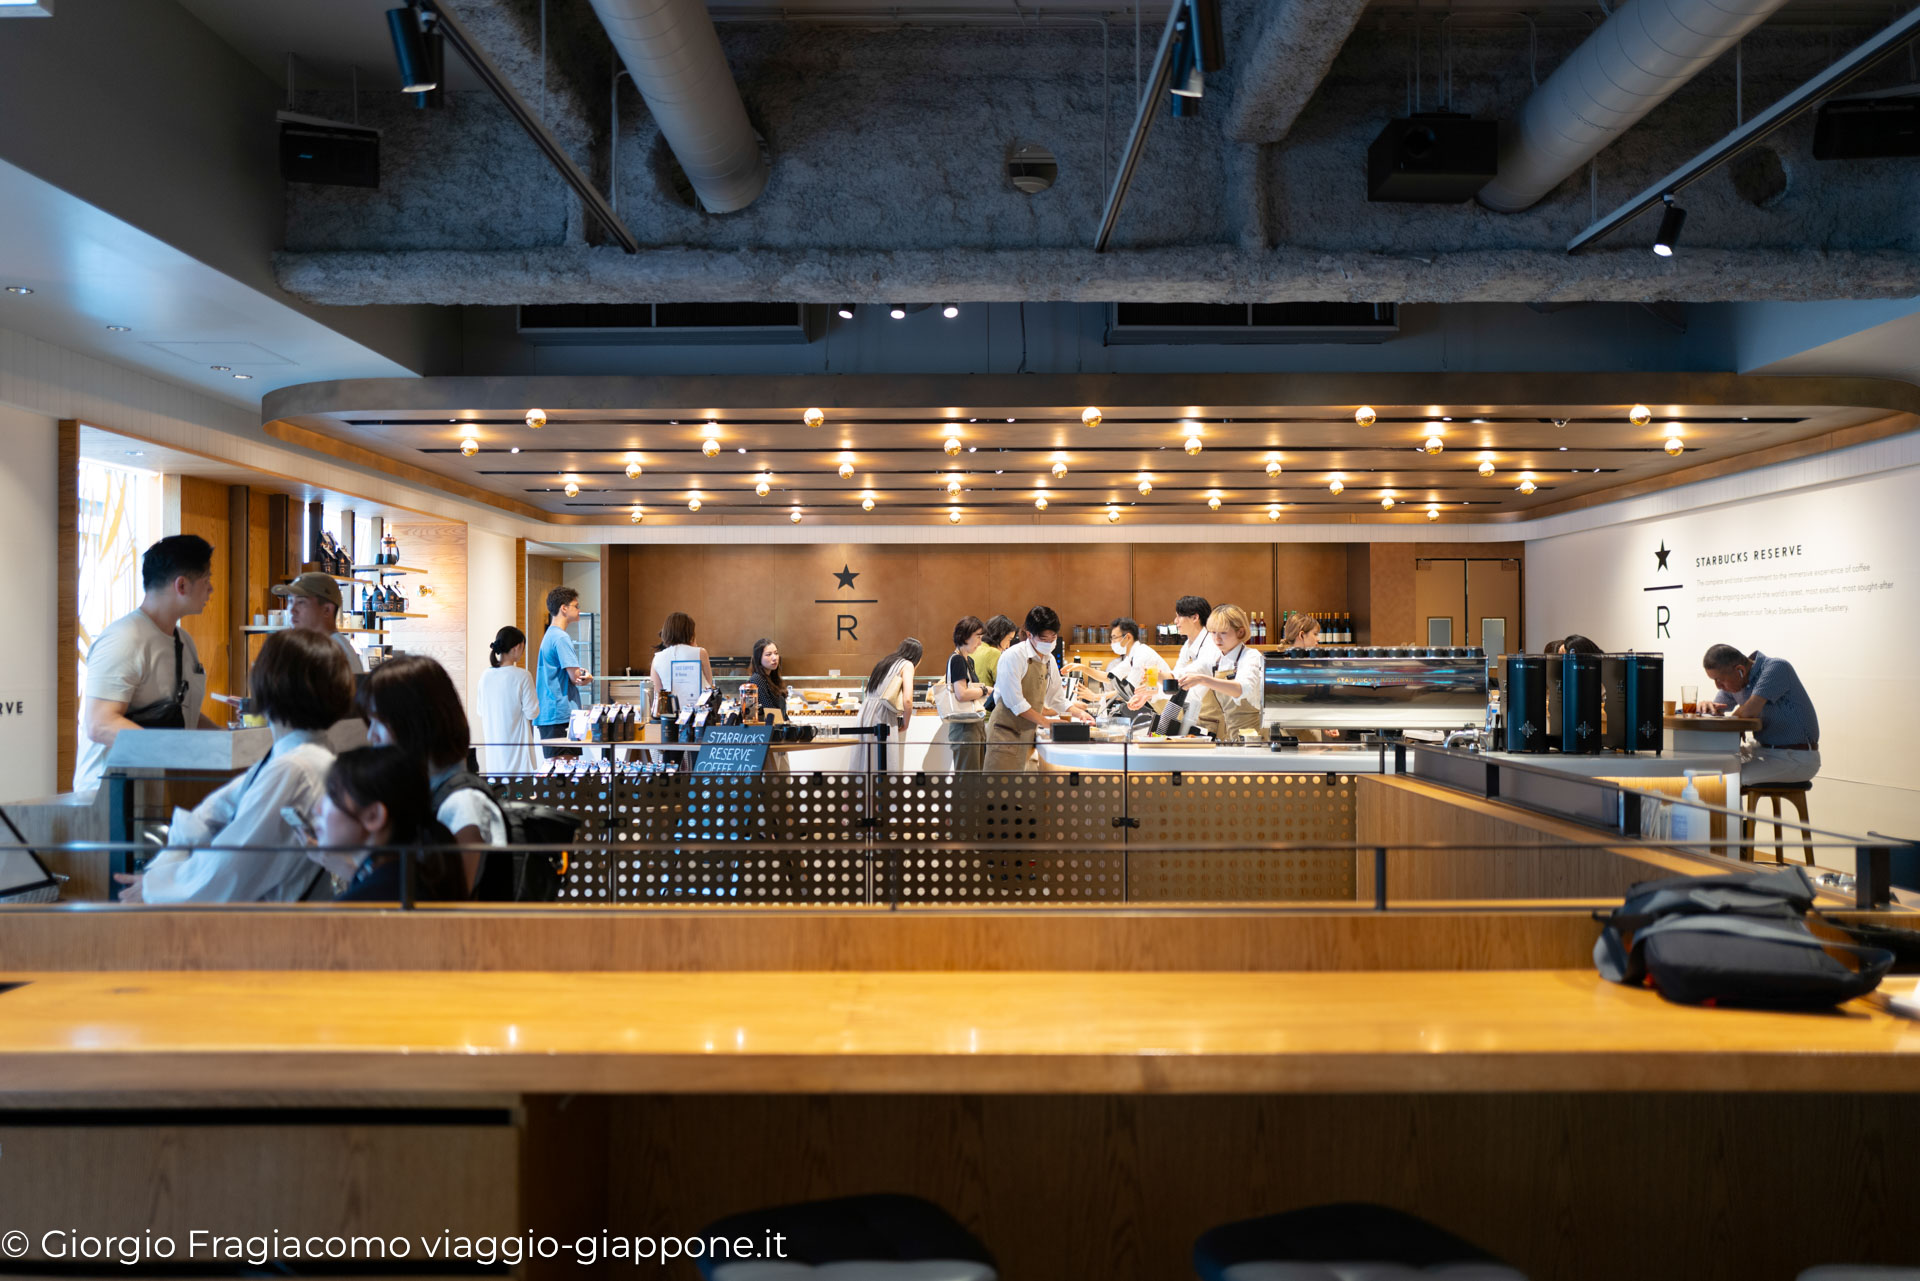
(508, 707)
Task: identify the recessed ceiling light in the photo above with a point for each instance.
(514, 450)
(22, 290)
(949, 311)
(136, 453)
(1013, 420)
(846, 313)
(219, 369)
(1563, 449)
(119, 329)
(244, 377)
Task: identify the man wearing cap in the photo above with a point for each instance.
(313, 604)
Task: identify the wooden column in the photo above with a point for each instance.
(316, 526)
(239, 597)
(347, 539)
(520, 587)
(66, 712)
(615, 607)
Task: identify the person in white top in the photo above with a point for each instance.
(411, 703)
(1135, 663)
(142, 670)
(1236, 690)
(889, 702)
(1028, 693)
(681, 668)
(509, 708)
(1198, 653)
(301, 684)
(313, 603)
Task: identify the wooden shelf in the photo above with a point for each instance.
(347, 631)
(386, 570)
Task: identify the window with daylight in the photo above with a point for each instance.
(119, 518)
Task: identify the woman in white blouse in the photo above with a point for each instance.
(889, 702)
(681, 667)
(509, 709)
(1236, 692)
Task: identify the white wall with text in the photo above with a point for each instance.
(29, 578)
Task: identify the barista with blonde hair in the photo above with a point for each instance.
(1236, 692)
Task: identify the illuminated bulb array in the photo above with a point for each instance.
(1434, 445)
(636, 515)
(1486, 467)
(1639, 415)
(866, 504)
(1364, 416)
(633, 469)
(1273, 513)
(1091, 416)
(953, 445)
(794, 516)
(1273, 467)
(763, 486)
(536, 418)
(1526, 485)
(1433, 513)
(813, 417)
(469, 447)
(953, 515)
(1213, 503)
(1145, 487)
(710, 447)
(1041, 502)
(573, 489)
(1113, 514)
(693, 504)
(1059, 471)
(1193, 444)
(846, 469)
(953, 486)
(1674, 446)
(1335, 485)
(1386, 502)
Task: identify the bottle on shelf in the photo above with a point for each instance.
(389, 551)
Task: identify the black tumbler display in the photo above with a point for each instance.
(1646, 726)
(1523, 695)
(1575, 714)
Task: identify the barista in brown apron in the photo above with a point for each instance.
(1011, 734)
(1225, 718)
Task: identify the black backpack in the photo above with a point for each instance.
(1742, 939)
(518, 878)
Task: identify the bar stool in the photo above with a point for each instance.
(1351, 1241)
(882, 1237)
(1794, 792)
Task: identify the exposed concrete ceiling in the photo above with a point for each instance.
(1551, 429)
(889, 143)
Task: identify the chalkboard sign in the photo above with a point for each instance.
(733, 749)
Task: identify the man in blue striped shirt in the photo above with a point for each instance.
(1786, 749)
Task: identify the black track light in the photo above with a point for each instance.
(1670, 223)
(845, 311)
(435, 45)
(410, 51)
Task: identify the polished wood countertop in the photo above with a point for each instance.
(907, 1032)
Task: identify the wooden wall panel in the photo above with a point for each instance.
(203, 511)
(66, 684)
(441, 551)
(1227, 573)
(543, 575)
(1440, 591)
(1390, 608)
(1493, 591)
(1557, 1185)
(520, 593)
(1086, 584)
(1359, 595)
(1309, 576)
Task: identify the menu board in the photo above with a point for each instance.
(733, 749)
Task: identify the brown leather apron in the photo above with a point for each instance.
(1010, 738)
(1225, 719)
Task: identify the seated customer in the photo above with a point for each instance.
(1786, 749)
(302, 685)
(376, 798)
(411, 704)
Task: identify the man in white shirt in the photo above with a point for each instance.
(1136, 663)
(314, 605)
(1198, 654)
(143, 671)
(1028, 693)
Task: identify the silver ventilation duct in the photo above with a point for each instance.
(673, 53)
(1629, 66)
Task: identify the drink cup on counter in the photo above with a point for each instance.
(1668, 706)
(1690, 698)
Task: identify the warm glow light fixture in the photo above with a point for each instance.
(1273, 466)
(794, 516)
(1113, 514)
(1364, 416)
(636, 515)
(693, 504)
(536, 418)
(1335, 485)
(1193, 444)
(866, 504)
(573, 489)
(953, 445)
(1091, 417)
(1486, 467)
(1386, 502)
(1059, 471)
(1675, 446)
(469, 447)
(953, 485)
(1273, 513)
(1213, 503)
(633, 469)
(1145, 486)
(813, 417)
(1526, 485)
(1639, 415)
(1041, 502)
(953, 515)
(764, 485)
(1433, 513)
(1434, 445)
(846, 469)
(710, 447)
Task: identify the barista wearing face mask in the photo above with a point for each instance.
(1028, 693)
(1136, 664)
(1235, 691)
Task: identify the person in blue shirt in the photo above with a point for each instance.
(1786, 749)
(559, 676)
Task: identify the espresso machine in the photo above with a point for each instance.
(1574, 704)
(1631, 695)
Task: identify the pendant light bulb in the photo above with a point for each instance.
(1091, 417)
(1433, 513)
(794, 516)
(1213, 503)
(1527, 486)
(1040, 503)
(953, 486)
(1434, 445)
(813, 417)
(1486, 467)
(953, 445)
(633, 470)
(1113, 515)
(1193, 444)
(1639, 415)
(693, 504)
(636, 515)
(953, 515)
(573, 489)
(710, 447)
(1675, 446)
(1273, 467)
(1364, 416)
(763, 486)
(1059, 471)
(536, 418)
(1336, 485)
(1386, 502)
(866, 504)
(1145, 486)
(846, 470)
(1273, 513)
(469, 447)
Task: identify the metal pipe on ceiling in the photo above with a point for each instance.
(673, 53)
(1636, 59)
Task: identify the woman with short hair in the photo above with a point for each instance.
(967, 727)
(377, 798)
(1236, 692)
(681, 667)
